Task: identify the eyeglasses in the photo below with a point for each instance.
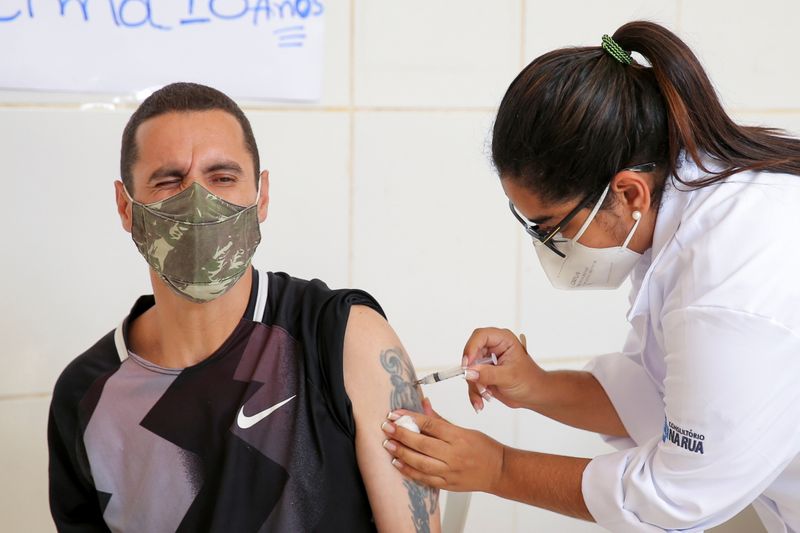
(548, 238)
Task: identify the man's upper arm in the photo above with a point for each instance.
(379, 377)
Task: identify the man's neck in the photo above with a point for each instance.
(177, 333)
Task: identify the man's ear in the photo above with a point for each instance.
(263, 199)
(124, 206)
(633, 190)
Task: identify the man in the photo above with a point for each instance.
(231, 399)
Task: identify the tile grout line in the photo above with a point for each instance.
(25, 396)
(351, 147)
(515, 432)
(565, 360)
(380, 109)
(28, 106)
(518, 296)
(55, 106)
(422, 370)
(523, 32)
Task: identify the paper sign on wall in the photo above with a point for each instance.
(246, 48)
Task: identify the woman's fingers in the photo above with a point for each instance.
(492, 375)
(475, 398)
(516, 380)
(435, 482)
(472, 461)
(485, 379)
(421, 464)
(424, 444)
(435, 426)
(417, 460)
(427, 408)
(479, 395)
(484, 341)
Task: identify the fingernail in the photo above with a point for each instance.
(486, 395)
(389, 445)
(477, 408)
(465, 361)
(471, 375)
(388, 427)
(397, 463)
(392, 416)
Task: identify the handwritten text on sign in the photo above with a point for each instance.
(248, 48)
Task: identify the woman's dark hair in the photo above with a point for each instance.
(575, 117)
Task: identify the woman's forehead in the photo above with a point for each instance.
(531, 205)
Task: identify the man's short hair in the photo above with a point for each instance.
(181, 97)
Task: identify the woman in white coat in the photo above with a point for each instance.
(618, 169)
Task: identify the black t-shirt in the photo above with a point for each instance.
(257, 437)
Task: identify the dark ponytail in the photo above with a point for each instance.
(574, 117)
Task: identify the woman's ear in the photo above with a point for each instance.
(633, 190)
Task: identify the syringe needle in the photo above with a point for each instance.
(441, 375)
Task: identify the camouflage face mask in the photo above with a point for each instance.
(199, 244)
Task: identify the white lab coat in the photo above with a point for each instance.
(708, 384)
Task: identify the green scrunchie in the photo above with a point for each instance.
(616, 51)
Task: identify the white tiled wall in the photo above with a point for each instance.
(546, 28)
(746, 50)
(440, 54)
(23, 461)
(307, 227)
(383, 184)
(423, 192)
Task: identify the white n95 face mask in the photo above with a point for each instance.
(588, 268)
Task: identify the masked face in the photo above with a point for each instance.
(583, 267)
(199, 244)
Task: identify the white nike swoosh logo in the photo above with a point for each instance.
(245, 421)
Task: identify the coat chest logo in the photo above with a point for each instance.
(686, 439)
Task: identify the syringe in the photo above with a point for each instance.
(441, 375)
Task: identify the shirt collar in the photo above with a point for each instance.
(675, 201)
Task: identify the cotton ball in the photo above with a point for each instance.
(407, 422)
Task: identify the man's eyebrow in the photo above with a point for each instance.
(177, 172)
(229, 165)
(165, 172)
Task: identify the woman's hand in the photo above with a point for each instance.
(442, 455)
(516, 380)
(572, 397)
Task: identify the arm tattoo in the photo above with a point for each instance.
(419, 514)
(405, 395)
